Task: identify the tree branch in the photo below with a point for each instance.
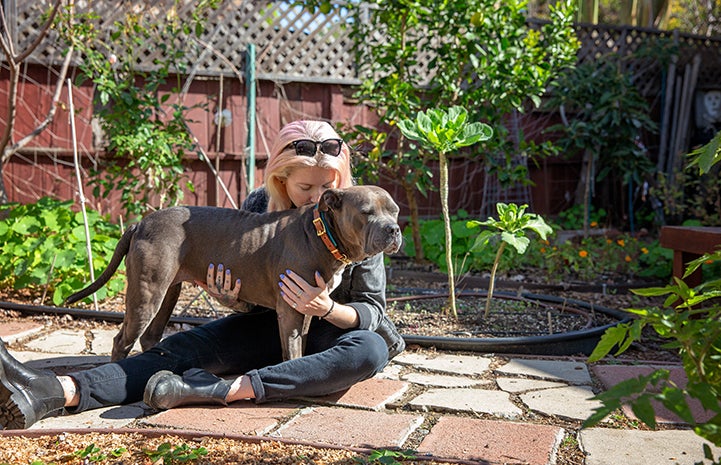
(41, 34)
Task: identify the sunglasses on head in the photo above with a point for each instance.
(308, 147)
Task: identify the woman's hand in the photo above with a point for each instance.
(219, 286)
(315, 300)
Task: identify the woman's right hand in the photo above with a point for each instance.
(219, 286)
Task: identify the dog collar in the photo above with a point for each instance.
(322, 230)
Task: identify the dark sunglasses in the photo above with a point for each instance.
(308, 148)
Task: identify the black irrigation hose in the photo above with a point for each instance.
(113, 317)
(568, 343)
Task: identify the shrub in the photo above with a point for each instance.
(44, 248)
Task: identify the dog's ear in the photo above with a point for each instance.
(330, 200)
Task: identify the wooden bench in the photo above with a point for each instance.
(688, 243)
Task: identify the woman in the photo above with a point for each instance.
(350, 340)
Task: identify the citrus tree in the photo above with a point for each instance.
(482, 55)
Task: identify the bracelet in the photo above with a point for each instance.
(330, 310)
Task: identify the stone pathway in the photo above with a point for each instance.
(479, 408)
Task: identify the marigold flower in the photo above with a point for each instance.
(621, 242)
(543, 250)
(594, 224)
(644, 250)
(627, 258)
(608, 241)
(583, 253)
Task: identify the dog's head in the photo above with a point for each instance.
(363, 219)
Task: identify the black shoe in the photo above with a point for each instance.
(166, 390)
(26, 395)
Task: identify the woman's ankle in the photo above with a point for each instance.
(241, 389)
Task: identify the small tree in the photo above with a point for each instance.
(444, 132)
(484, 56)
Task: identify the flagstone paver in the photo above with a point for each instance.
(606, 446)
(570, 372)
(430, 379)
(373, 394)
(572, 402)
(446, 363)
(107, 417)
(63, 341)
(467, 400)
(12, 331)
(525, 384)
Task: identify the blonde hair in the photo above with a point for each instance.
(283, 160)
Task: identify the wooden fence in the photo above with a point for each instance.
(305, 69)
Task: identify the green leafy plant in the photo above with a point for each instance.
(93, 453)
(573, 217)
(445, 131)
(603, 116)
(386, 457)
(170, 455)
(509, 229)
(690, 320)
(44, 248)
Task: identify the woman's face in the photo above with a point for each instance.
(306, 184)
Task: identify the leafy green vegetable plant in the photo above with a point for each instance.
(43, 248)
(509, 229)
(445, 131)
(170, 455)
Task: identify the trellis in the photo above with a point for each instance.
(296, 45)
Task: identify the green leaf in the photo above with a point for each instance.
(520, 243)
(643, 409)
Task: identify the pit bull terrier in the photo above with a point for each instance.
(176, 244)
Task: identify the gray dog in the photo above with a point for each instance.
(176, 244)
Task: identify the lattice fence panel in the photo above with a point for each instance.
(296, 45)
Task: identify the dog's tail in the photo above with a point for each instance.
(121, 250)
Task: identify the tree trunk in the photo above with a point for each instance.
(414, 222)
(449, 236)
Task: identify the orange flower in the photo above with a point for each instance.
(708, 262)
(594, 224)
(644, 250)
(543, 250)
(621, 242)
(583, 253)
(608, 241)
(628, 258)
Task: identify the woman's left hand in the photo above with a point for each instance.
(304, 297)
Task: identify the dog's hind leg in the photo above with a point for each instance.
(154, 332)
(142, 302)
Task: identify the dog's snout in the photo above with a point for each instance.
(392, 229)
